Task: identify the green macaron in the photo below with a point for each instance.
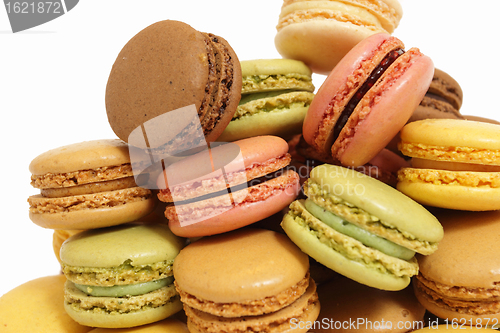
(275, 97)
(121, 276)
(361, 227)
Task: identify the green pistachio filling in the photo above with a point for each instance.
(126, 290)
(365, 237)
(272, 101)
(123, 274)
(256, 83)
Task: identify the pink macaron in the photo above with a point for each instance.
(228, 186)
(366, 99)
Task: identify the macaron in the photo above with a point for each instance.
(168, 83)
(37, 306)
(347, 306)
(460, 282)
(87, 185)
(366, 99)
(455, 164)
(321, 33)
(168, 325)
(276, 94)
(361, 228)
(120, 276)
(229, 186)
(253, 280)
(442, 100)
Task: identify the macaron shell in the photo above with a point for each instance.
(81, 156)
(324, 254)
(168, 325)
(242, 214)
(111, 247)
(449, 133)
(385, 109)
(251, 264)
(343, 300)
(456, 262)
(94, 218)
(280, 122)
(130, 75)
(37, 305)
(273, 67)
(233, 157)
(444, 188)
(391, 206)
(293, 318)
(459, 318)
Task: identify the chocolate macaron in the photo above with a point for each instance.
(162, 74)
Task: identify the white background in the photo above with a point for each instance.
(53, 79)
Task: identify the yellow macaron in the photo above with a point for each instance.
(455, 164)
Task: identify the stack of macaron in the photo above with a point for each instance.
(236, 198)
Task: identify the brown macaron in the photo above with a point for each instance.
(460, 282)
(442, 100)
(165, 68)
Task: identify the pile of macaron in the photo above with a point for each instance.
(237, 197)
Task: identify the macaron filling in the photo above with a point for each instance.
(263, 82)
(272, 101)
(375, 75)
(351, 230)
(125, 290)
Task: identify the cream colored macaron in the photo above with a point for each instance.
(87, 185)
(320, 33)
(37, 306)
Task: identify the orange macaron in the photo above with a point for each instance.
(229, 186)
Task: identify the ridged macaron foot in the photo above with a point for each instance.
(253, 280)
(87, 185)
(348, 306)
(276, 94)
(460, 282)
(121, 276)
(366, 99)
(229, 186)
(320, 33)
(361, 227)
(37, 306)
(165, 67)
(455, 164)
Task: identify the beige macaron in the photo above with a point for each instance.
(168, 325)
(87, 185)
(247, 280)
(37, 306)
(461, 280)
